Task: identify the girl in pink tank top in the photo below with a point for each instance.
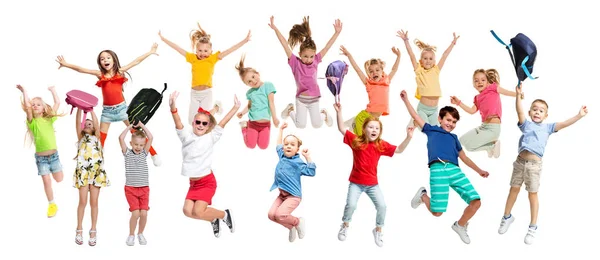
(486, 136)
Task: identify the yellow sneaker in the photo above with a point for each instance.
(52, 208)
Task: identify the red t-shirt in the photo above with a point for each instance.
(365, 161)
(112, 89)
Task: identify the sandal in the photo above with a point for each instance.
(79, 237)
(92, 241)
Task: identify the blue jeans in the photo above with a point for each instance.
(48, 164)
(374, 193)
(112, 114)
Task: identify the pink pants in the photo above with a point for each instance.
(257, 133)
(281, 211)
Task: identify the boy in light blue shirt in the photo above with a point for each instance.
(288, 171)
(528, 165)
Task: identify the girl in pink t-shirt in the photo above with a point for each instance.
(304, 68)
(377, 84)
(486, 136)
(366, 151)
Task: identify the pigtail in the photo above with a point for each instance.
(424, 46)
(242, 70)
(199, 36)
(301, 34)
(492, 76)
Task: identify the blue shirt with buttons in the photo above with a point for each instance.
(289, 170)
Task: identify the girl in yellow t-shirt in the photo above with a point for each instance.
(377, 84)
(40, 127)
(427, 75)
(203, 64)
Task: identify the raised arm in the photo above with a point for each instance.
(174, 113)
(55, 98)
(172, 45)
(560, 125)
(340, 119)
(519, 106)
(361, 74)
(234, 109)
(337, 25)
(280, 135)
(95, 123)
(404, 36)
(273, 110)
(223, 54)
(420, 123)
(62, 63)
(26, 103)
(78, 123)
(139, 59)
(281, 38)
(396, 63)
(310, 168)
(465, 159)
(148, 135)
(122, 138)
(404, 144)
(447, 52)
(471, 110)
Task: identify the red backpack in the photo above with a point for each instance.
(82, 100)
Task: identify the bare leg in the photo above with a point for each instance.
(133, 221)
(534, 205)
(143, 221)
(94, 194)
(83, 199)
(510, 201)
(469, 212)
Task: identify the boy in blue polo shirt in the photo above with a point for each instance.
(528, 165)
(288, 171)
(444, 149)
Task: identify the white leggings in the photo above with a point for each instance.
(307, 106)
(200, 98)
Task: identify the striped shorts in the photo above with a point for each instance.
(442, 176)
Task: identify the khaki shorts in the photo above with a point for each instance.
(528, 172)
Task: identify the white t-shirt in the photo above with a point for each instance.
(197, 151)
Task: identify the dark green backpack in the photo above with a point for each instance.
(143, 106)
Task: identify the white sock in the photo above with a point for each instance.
(50, 202)
(225, 217)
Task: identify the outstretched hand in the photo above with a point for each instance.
(272, 23)
(19, 87)
(409, 131)
(583, 111)
(403, 35)
(172, 99)
(344, 51)
(396, 51)
(153, 49)
(236, 102)
(51, 88)
(247, 39)
(455, 38)
(283, 126)
(454, 100)
(337, 25)
(403, 95)
(61, 61)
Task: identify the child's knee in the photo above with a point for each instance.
(135, 213)
(58, 176)
(475, 203)
(437, 214)
(188, 211)
(143, 213)
(271, 216)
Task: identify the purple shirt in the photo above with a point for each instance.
(305, 75)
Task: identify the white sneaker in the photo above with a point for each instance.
(156, 160)
(530, 235)
(462, 232)
(301, 228)
(416, 200)
(496, 149)
(343, 232)
(505, 224)
(130, 240)
(328, 118)
(378, 235)
(243, 124)
(219, 107)
(350, 122)
(292, 235)
(286, 111)
(142, 239)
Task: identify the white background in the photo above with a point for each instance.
(35, 32)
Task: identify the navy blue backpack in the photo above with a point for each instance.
(523, 55)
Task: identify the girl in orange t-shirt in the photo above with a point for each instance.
(377, 84)
(110, 80)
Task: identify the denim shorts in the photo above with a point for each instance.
(48, 164)
(116, 113)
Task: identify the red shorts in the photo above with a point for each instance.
(202, 189)
(137, 197)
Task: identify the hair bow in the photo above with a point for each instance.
(201, 110)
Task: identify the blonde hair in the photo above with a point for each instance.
(374, 62)
(47, 113)
(491, 75)
(300, 33)
(424, 47)
(297, 139)
(243, 70)
(199, 36)
(212, 121)
(138, 134)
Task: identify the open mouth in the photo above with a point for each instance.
(106, 65)
(375, 77)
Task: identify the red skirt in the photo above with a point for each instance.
(202, 189)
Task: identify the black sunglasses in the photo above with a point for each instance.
(204, 123)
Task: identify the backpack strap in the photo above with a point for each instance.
(512, 57)
(526, 70)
